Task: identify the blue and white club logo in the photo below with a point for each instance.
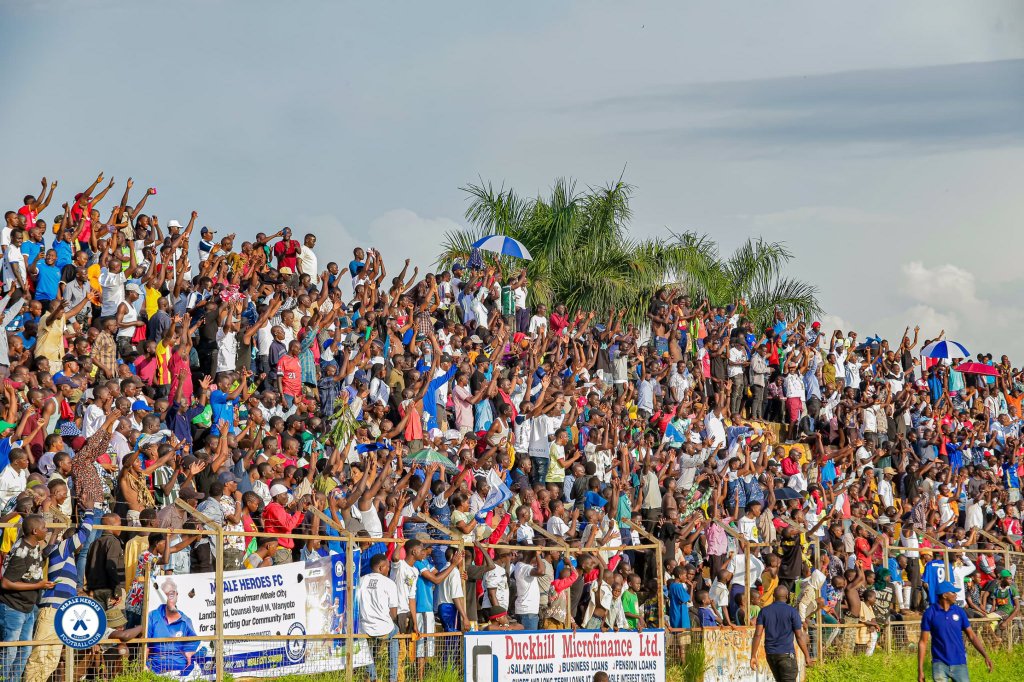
(295, 649)
(80, 622)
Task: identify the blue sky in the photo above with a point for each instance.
(882, 141)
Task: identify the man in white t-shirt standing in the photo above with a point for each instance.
(307, 258)
(528, 591)
(14, 263)
(377, 600)
(737, 372)
(112, 281)
(405, 574)
(496, 587)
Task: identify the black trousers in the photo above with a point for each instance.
(783, 666)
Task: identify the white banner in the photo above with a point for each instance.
(564, 656)
(265, 604)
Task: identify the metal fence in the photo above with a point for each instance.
(46, 659)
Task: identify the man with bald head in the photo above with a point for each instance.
(778, 625)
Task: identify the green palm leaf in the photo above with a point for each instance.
(583, 255)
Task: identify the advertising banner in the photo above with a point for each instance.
(564, 655)
(271, 606)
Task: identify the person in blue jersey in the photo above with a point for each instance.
(943, 627)
(62, 571)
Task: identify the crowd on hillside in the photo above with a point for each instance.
(278, 393)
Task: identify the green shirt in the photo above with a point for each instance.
(630, 604)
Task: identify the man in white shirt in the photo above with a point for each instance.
(543, 427)
(307, 258)
(496, 586)
(528, 591)
(14, 261)
(885, 487)
(738, 362)
(377, 600)
(112, 281)
(539, 320)
(715, 427)
(14, 477)
(451, 597)
(405, 575)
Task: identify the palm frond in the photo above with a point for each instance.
(755, 262)
(791, 295)
(583, 255)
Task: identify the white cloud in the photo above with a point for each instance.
(949, 286)
(830, 323)
(947, 297)
(932, 322)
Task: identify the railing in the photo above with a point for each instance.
(320, 651)
(323, 652)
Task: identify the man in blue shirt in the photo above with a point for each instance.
(935, 573)
(945, 623)
(678, 600)
(47, 277)
(778, 625)
(428, 579)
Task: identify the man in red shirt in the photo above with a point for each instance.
(287, 251)
(276, 519)
(34, 206)
(289, 374)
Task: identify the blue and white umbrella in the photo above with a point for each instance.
(506, 246)
(945, 350)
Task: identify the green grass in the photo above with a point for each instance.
(1007, 667)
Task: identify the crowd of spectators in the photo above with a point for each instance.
(278, 394)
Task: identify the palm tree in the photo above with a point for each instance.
(584, 257)
(754, 274)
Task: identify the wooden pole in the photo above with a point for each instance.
(553, 538)
(69, 664)
(746, 586)
(218, 582)
(660, 559)
(350, 608)
(145, 617)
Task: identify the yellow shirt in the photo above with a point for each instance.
(152, 297)
(10, 535)
(132, 549)
(50, 339)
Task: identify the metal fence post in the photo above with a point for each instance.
(218, 581)
(350, 607)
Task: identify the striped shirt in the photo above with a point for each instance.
(61, 557)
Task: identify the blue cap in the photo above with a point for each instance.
(945, 588)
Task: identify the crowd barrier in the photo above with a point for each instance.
(342, 650)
